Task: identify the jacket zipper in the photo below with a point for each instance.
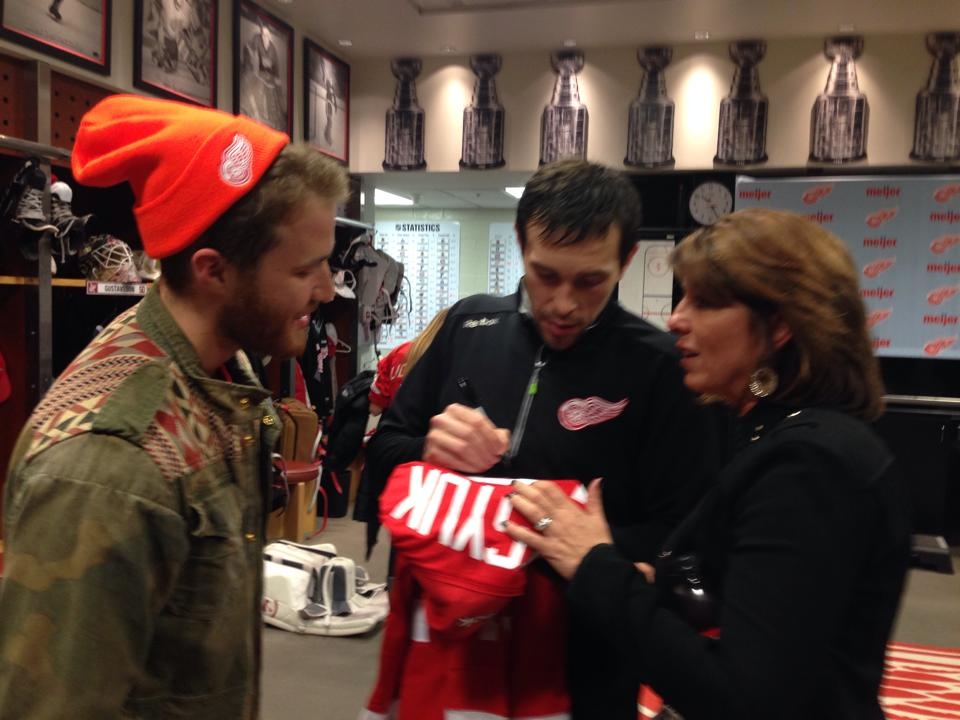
(517, 436)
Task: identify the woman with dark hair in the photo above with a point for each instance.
(797, 555)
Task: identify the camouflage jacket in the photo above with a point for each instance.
(134, 514)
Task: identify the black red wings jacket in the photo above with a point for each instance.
(804, 540)
(613, 406)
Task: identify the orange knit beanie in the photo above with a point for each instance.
(187, 165)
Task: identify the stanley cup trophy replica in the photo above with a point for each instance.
(563, 129)
(482, 144)
(742, 135)
(838, 122)
(403, 137)
(936, 133)
(650, 121)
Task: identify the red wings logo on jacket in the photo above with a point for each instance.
(578, 413)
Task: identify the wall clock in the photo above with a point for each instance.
(710, 201)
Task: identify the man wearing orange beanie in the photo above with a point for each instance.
(134, 507)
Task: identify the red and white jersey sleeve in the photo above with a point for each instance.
(389, 376)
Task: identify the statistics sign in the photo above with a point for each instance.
(430, 253)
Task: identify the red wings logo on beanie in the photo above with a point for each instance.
(236, 163)
(169, 152)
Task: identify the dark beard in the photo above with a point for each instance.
(254, 327)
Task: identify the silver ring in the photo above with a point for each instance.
(543, 523)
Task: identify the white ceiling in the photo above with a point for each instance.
(450, 190)
(391, 28)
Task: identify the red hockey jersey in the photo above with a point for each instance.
(474, 627)
(388, 378)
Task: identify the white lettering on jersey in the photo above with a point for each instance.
(417, 493)
(453, 513)
(472, 530)
(438, 487)
(515, 556)
(462, 527)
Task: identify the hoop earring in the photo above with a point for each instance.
(763, 382)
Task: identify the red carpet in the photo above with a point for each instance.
(921, 683)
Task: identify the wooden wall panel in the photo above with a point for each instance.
(18, 98)
(69, 100)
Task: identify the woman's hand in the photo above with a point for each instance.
(567, 532)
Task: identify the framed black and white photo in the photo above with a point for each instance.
(262, 66)
(77, 31)
(326, 102)
(175, 49)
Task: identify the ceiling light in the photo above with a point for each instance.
(846, 27)
(516, 191)
(382, 197)
(701, 35)
(448, 49)
(345, 43)
(430, 7)
(569, 42)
